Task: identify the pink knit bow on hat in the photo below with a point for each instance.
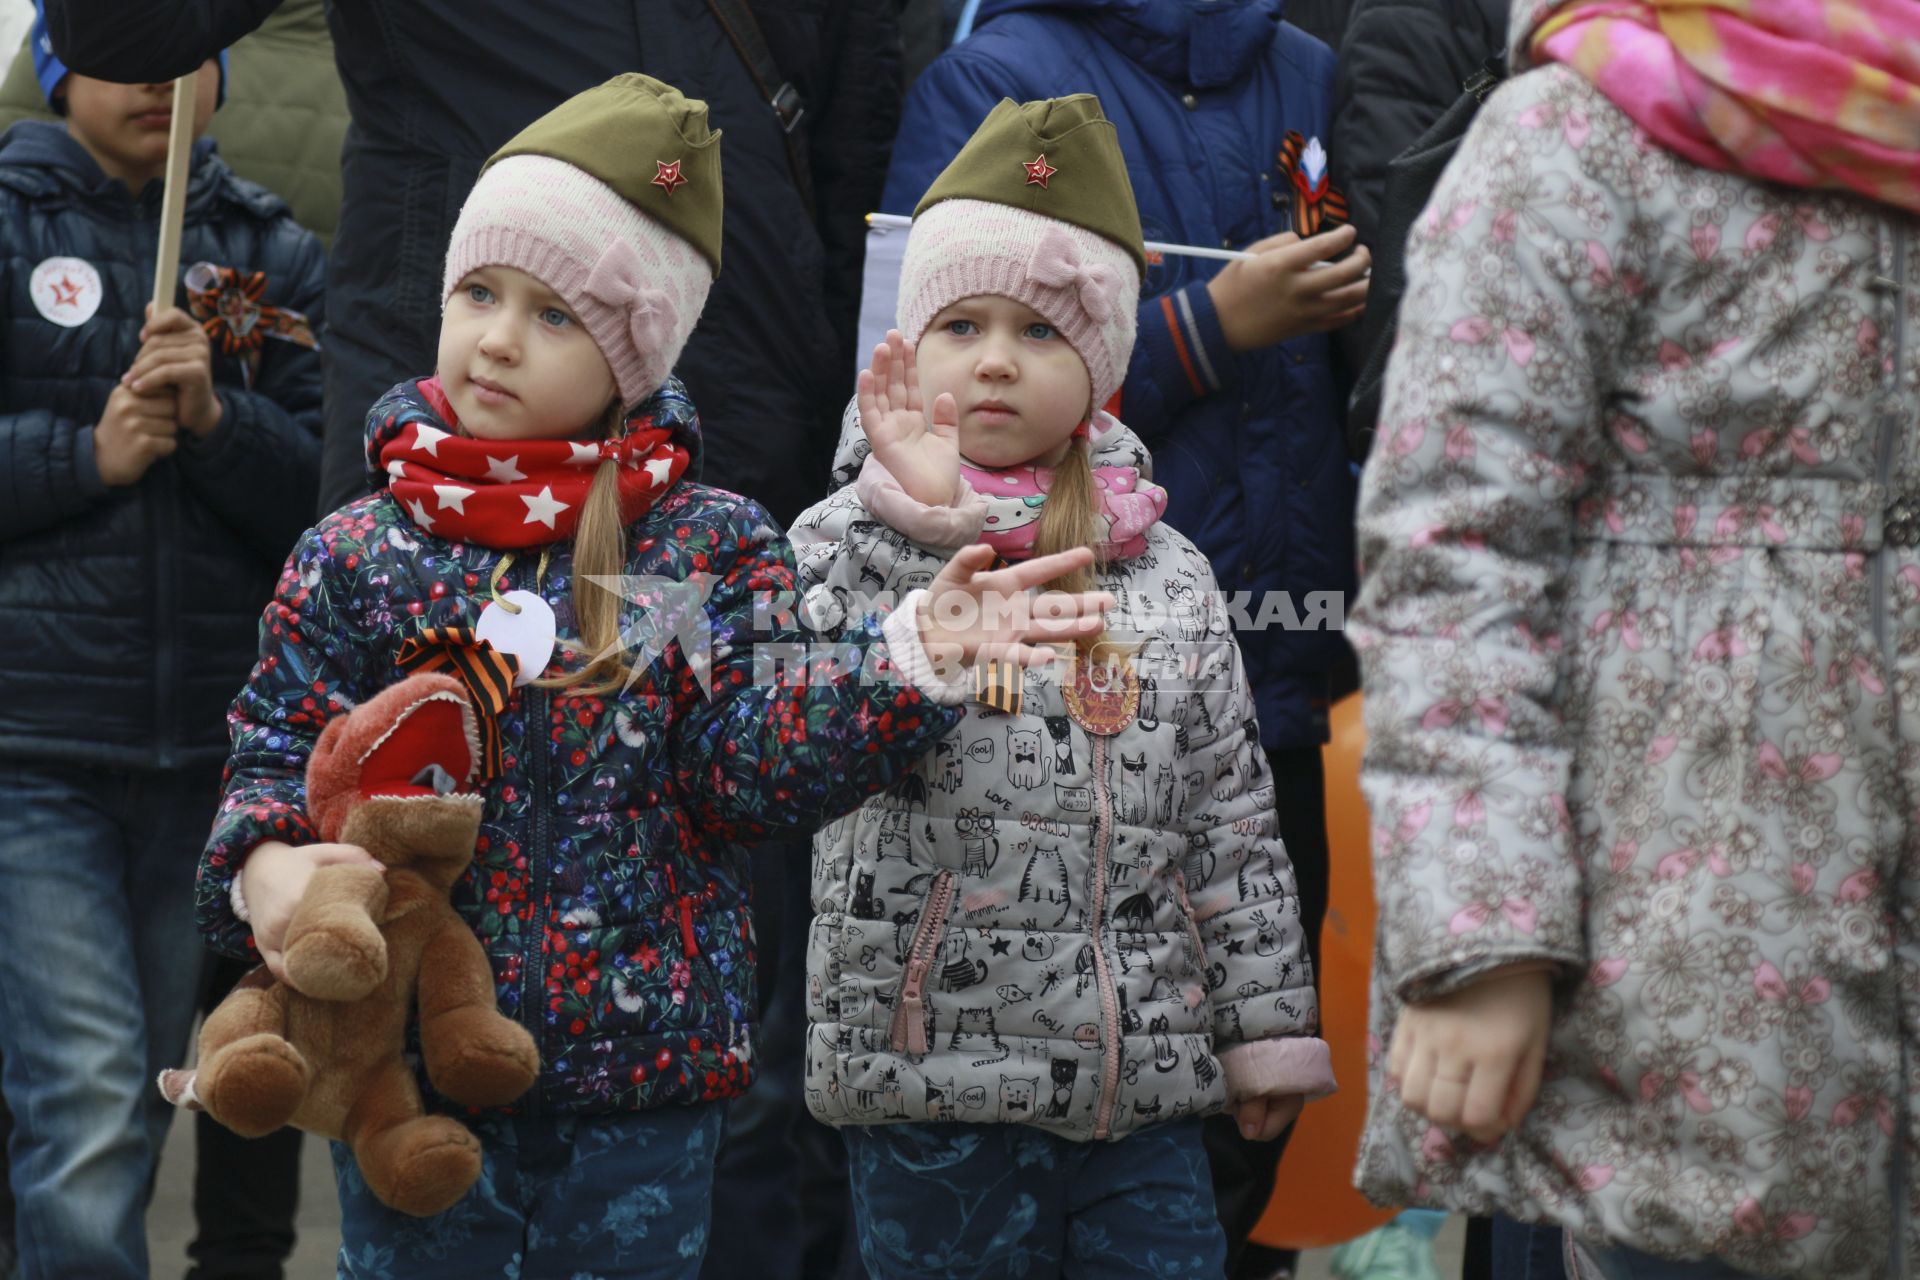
(1057, 261)
(618, 281)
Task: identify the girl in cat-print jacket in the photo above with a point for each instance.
(1046, 926)
(1074, 919)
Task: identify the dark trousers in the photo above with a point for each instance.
(245, 1190)
(1243, 1171)
(762, 1171)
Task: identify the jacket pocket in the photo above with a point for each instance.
(909, 1012)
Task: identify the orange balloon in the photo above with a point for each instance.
(1314, 1203)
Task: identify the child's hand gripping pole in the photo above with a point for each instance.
(173, 203)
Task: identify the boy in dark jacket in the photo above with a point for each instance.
(155, 472)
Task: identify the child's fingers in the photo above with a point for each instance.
(911, 369)
(1397, 1049)
(1416, 1080)
(168, 372)
(1525, 1088)
(1268, 245)
(896, 370)
(331, 855)
(946, 416)
(1318, 248)
(1352, 297)
(170, 320)
(960, 568)
(1447, 1090)
(1026, 574)
(1484, 1106)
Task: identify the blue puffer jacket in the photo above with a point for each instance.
(128, 615)
(1248, 446)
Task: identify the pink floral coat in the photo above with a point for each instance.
(1641, 631)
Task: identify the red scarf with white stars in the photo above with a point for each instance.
(511, 494)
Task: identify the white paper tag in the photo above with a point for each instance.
(527, 635)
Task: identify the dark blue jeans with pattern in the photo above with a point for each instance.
(978, 1201)
(617, 1197)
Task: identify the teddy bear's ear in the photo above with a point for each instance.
(333, 779)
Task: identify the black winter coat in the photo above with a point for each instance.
(129, 615)
(1402, 64)
(435, 86)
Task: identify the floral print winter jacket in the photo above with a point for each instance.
(609, 887)
(1038, 925)
(1640, 620)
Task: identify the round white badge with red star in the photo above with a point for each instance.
(66, 291)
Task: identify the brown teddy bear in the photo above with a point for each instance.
(323, 1050)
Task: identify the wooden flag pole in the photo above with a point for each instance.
(173, 202)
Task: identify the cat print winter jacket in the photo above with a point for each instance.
(1641, 621)
(1039, 926)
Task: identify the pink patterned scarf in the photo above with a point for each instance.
(1016, 496)
(1809, 93)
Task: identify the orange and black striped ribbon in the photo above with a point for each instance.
(1311, 213)
(1000, 684)
(484, 670)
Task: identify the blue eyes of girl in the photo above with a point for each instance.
(553, 316)
(967, 328)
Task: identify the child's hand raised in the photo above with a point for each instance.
(922, 455)
(1471, 1061)
(968, 615)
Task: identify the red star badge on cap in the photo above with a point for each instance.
(669, 178)
(1038, 170)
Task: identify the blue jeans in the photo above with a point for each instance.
(98, 972)
(614, 1197)
(977, 1201)
(1528, 1251)
(1618, 1262)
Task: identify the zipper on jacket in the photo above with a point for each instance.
(909, 1014)
(539, 749)
(680, 910)
(1096, 935)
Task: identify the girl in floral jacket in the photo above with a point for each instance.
(534, 490)
(1641, 626)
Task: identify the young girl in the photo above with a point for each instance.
(1073, 923)
(538, 488)
(1640, 617)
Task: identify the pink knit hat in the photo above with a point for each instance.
(636, 285)
(1085, 285)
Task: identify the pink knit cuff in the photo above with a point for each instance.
(1279, 1067)
(946, 528)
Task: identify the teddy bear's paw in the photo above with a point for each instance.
(478, 1058)
(339, 960)
(254, 1085)
(423, 1167)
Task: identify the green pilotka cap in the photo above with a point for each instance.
(1058, 157)
(647, 141)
